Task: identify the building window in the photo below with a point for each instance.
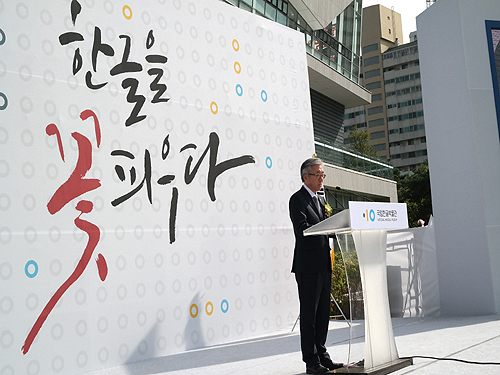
(377, 135)
(371, 61)
(370, 48)
(373, 85)
(375, 110)
(377, 122)
(372, 73)
(376, 98)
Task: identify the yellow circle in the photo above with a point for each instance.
(237, 67)
(236, 45)
(211, 308)
(125, 9)
(214, 108)
(193, 315)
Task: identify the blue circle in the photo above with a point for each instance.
(2, 40)
(27, 272)
(269, 162)
(263, 95)
(226, 308)
(372, 218)
(239, 90)
(4, 105)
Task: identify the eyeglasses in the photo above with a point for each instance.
(318, 176)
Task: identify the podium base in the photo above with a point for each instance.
(386, 368)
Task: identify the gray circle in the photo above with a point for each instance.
(6, 305)
(138, 233)
(31, 302)
(52, 171)
(27, 138)
(28, 170)
(57, 363)
(157, 231)
(80, 297)
(122, 321)
(102, 324)
(30, 234)
(4, 168)
(193, 284)
(102, 294)
(121, 292)
(4, 136)
(176, 286)
(57, 331)
(26, 104)
(5, 235)
(160, 316)
(158, 260)
(55, 267)
(177, 313)
(25, 73)
(237, 279)
(137, 204)
(250, 278)
(81, 328)
(178, 28)
(103, 355)
(208, 282)
(176, 259)
(222, 256)
(47, 47)
(33, 368)
(160, 288)
(23, 41)
(223, 281)
(82, 359)
(140, 290)
(191, 258)
(4, 202)
(22, 11)
(123, 351)
(120, 233)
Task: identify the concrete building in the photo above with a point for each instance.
(391, 72)
(332, 33)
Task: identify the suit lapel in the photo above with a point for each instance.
(311, 203)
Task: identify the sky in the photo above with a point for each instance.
(409, 10)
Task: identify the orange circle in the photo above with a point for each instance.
(211, 308)
(193, 315)
(214, 108)
(236, 45)
(127, 8)
(237, 67)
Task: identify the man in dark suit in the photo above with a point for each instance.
(312, 268)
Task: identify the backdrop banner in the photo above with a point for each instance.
(148, 150)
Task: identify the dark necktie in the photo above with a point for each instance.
(316, 202)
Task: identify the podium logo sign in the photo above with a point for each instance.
(375, 215)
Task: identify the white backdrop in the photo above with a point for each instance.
(147, 153)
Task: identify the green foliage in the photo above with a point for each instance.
(359, 141)
(340, 289)
(415, 190)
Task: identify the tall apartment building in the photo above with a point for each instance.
(332, 34)
(391, 72)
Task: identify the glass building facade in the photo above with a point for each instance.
(337, 45)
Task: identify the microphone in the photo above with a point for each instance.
(322, 193)
(357, 195)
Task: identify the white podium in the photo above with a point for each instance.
(368, 222)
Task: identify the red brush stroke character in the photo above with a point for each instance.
(75, 186)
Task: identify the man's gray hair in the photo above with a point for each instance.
(307, 165)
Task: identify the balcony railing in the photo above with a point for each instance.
(350, 159)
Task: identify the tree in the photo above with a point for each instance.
(415, 190)
(359, 141)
